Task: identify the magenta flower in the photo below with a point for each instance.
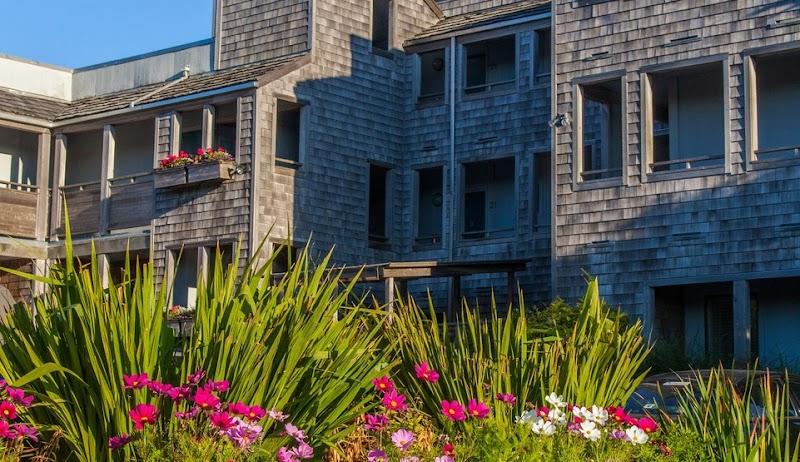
(375, 422)
(543, 412)
(22, 431)
(394, 401)
(159, 388)
(243, 434)
(143, 414)
(7, 410)
(507, 398)
(277, 415)
(190, 414)
(284, 455)
(195, 378)
(647, 424)
(453, 411)
(135, 381)
(117, 442)
(477, 409)
(205, 400)
(221, 420)
(294, 432)
(220, 386)
(403, 439)
(425, 373)
(178, 394)
(376, 455)
(383, 384)
(5, 429)
(255, 413)
(238, 408)
(618, 435)
(3, 384)
(18, 396)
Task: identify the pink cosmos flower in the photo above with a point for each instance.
(477, 409)
(143, 414)
(409, 459)
(403, 439)
(5, 429)
(449, 450)
(507, 398)
(117, 442)
(284, 455)
(618, 414)
(22, 431)
(135, 381)
(3, 384)
(159, 388)
(238, 408)
(255, 413)
(618, 435)
(220, 386)
(543, 412)
(243, 434)
(205, 400)
(294, 432)
(383, 384)
(444, 459)
(376, 455)
(425, 373)
(647, 424)
(453, 411)
(195, 378)
(394, 401)
(375, 422)
(7, 410)
(277, 415)
(221, 420)
(178, 394)
(190, 414)
(303, 451)
(18, 396)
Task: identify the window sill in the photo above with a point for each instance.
(488, 94)
(683, 174)
(769, 164)
(587, 185)
(429, 103)
(486, 240)
(287, 164)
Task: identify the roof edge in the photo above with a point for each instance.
(534, 16)
(437, 10)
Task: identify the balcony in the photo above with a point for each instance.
(19, 192)
(18, 201)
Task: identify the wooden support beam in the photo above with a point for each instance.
(389, 293)
(741, 322)
(455, 297)
(40, 268)
(209, 115)
(42, 182)
(106, 174)
(204, 255)
(59, 170)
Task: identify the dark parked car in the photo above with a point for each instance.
(658, 394)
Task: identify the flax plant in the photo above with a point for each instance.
(728, 420)
(92, 336)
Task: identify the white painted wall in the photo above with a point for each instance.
(36, 78)
(18, 151)
(84, 157)
(134, 148)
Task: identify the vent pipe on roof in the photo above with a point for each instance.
(184, 74)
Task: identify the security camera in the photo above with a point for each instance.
(560, 120)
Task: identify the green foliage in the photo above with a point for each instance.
(297, 344)
(92, 336)
(596, 362)
(722, 415)
(685, 445)
(559, 318)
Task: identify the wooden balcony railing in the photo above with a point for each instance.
(687, 163)
(18, 202)
(83, 204)
(131, 203)
(778, 153)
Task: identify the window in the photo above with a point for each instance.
(542, 71)
(686, 125)
(599, 140)
(489, 199)
(429, 205)
(378, 198)
(225, 128)
(777, 99)
(18, 157)
(288, 145)
(191, 131)
(431, 75)
(541, 213)
(225, 261)
(381, 17)
(491, 65)
(284, 255)
(184, 289)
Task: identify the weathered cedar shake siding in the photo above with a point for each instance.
(722, 225)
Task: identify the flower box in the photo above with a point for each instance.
(209, 171)
(170, 177)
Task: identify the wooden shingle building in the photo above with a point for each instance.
(652, 143)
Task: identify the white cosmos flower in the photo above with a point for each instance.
(599, 415)
(636, 435)
(556, 400)
(557, 416)
(543, 427)
(590, 431)
(582, 413)
(526, 417)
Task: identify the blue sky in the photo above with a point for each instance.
(76, 33)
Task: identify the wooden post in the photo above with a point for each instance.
(107, 173)
(512, 288)
(455, 297)
(208, 126)
(174, 133)
(40, 268)
(389, 293)
(203, 265)
(741, 321)
(59, 170)
(42, 183)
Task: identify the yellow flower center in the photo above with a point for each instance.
(452, 411)
(393, 403)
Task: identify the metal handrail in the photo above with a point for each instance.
(687, 161)
(21, 187)
(78, 186)
(794, 149)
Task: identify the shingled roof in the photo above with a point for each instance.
(52, 110)
(481, 18)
